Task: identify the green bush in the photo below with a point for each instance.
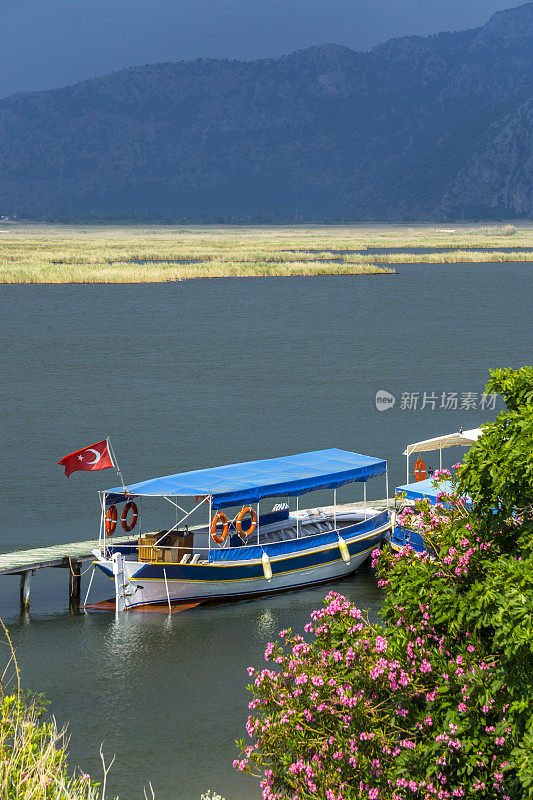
(33, 752)
(437, 701)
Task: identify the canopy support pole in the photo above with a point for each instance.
(297, 518)
(209, 525)
(258, 522)
(188, 514)
(101, 535)
(387, 485)
(440, 457)
(364, 497)
(407, 476)
(335, 509)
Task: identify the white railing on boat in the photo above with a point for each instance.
(154, 552)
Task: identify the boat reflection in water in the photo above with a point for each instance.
(242, 551)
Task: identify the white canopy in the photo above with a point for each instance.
(461, 438)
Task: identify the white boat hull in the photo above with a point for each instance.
(162, 583)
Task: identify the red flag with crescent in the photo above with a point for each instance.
(96, 456)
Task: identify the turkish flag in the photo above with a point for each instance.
(96, 456)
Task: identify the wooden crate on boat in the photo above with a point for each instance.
(172, 551)
(147, 551)
(177, 547)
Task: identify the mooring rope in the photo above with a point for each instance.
(78, 574)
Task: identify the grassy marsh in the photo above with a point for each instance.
(38, 253)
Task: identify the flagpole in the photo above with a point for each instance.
(115, 462)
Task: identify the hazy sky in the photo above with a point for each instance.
(49, 43)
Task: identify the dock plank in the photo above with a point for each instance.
(52, 556)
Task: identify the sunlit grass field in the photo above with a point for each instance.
(39, 253)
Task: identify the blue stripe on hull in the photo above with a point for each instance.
(215, 572)
(403, 536)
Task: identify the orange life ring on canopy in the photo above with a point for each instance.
(219, 537)
(238, 522)
(111, 520)
(420, 469)
(130, 506)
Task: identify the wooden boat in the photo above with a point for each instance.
(408, 494)
(424, 487)
(241, 550)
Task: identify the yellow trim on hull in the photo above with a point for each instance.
(237, 580)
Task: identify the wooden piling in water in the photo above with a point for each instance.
(25, 579)
(74, 583)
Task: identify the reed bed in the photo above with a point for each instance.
(33, 750)
(161, 272)
(138, 254)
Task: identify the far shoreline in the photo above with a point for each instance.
(34, 253)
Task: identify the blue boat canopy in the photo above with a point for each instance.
(250, 481)
(425, 489)
(422, 489)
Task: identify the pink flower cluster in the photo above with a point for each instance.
(356, 705)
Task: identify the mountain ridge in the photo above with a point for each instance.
(416, 127)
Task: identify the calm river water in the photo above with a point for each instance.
(196, 374)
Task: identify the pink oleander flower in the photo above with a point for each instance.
(269, 650)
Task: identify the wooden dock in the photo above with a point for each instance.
(72, 555)
(65, 556)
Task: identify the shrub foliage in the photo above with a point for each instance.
(437, 700)
(33, 751)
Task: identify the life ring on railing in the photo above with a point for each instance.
(219, 537)
(111, 520)
(420, 470)
(238, 522)
(130, 506)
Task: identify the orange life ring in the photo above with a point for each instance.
(420, 469)
(219, 537)
(111, 520)
(130, 506)
(200, 497)
(238, 522)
